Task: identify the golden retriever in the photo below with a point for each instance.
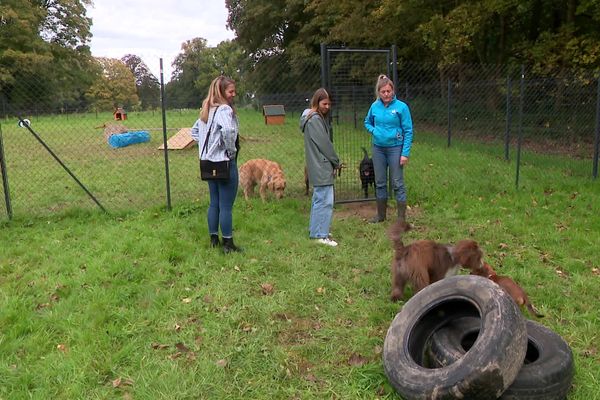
(510, 286)
(267, 174)
(425, 261)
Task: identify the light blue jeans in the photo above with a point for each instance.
(384, 158)
(321, 212)
(222, 197)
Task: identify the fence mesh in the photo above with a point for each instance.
(461, 103)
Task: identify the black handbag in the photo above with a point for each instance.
(213, 170)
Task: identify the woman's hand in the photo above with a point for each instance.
(403, 160)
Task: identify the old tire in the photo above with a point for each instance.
(485, 371)
(547, 371)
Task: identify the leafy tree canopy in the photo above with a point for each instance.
(114, 87)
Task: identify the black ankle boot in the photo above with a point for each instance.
(214, 241)
(229, 246)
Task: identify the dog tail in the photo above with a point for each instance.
(365, 152)
(395, 233)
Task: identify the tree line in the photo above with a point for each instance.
(45, 57)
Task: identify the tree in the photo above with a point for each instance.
(548, 34)
(44, 57)
(114, 86)
(197, 65)
(147, 85)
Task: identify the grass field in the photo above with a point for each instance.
(135, 305)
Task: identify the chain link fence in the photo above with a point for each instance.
(64, 161)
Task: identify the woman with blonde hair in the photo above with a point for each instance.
(219, 122)
(390, 124)
(321, 162)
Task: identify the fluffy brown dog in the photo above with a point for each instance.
(267, 174)
(510, 286)
(425, 261)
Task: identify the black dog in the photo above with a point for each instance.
(367, 172)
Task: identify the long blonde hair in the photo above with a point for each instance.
(383, 80)
(216, 95)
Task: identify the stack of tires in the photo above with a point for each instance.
(464, 338)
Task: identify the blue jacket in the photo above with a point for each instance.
(390, 126)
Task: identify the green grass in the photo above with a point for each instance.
(88, 299)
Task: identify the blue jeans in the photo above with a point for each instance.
(222, 197)
(321, 212)
(384, 158)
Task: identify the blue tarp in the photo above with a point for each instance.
(125, 139)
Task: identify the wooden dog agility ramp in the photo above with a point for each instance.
(181, 140)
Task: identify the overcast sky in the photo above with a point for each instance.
(152, 29)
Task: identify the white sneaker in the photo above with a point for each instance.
(327, 241)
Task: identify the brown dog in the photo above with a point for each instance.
(267, 174)
(510, 286)
(425, 261)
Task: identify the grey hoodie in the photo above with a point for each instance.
(321, 158)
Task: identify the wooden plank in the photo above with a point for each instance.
(181, 140)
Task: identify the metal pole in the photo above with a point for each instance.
(508, 117)
(5, 178)
(395, 67)
(449, 112)
(597, 141)
(324, 65)
(520, 140)
(164, 126)
(39, 139)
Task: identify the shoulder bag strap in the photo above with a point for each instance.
(208, 132)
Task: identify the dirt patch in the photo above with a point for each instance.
(366, 210)
(362, 210)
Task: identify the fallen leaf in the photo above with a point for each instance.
(267, 288)
(122, 382)
(62, 348)
(42, 305)
(186, 300)
(177, 327)
(321, 290)
(221, 363)
(158, 346)
(236, 268)
(503, 246)
(181, 347)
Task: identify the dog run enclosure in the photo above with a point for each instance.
(350, 76)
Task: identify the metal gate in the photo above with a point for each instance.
(350, 76)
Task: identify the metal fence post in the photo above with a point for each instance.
(597, 140)
(508, 117)
(395, 67)
(324, 66)
(5, 178)
(164, 129)
(520, 139)
(449, 112)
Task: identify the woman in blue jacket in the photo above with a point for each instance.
(390, 125)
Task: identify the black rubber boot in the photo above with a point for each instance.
(381, 211)
(401, 205)
(229, 246)
(214, 241)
